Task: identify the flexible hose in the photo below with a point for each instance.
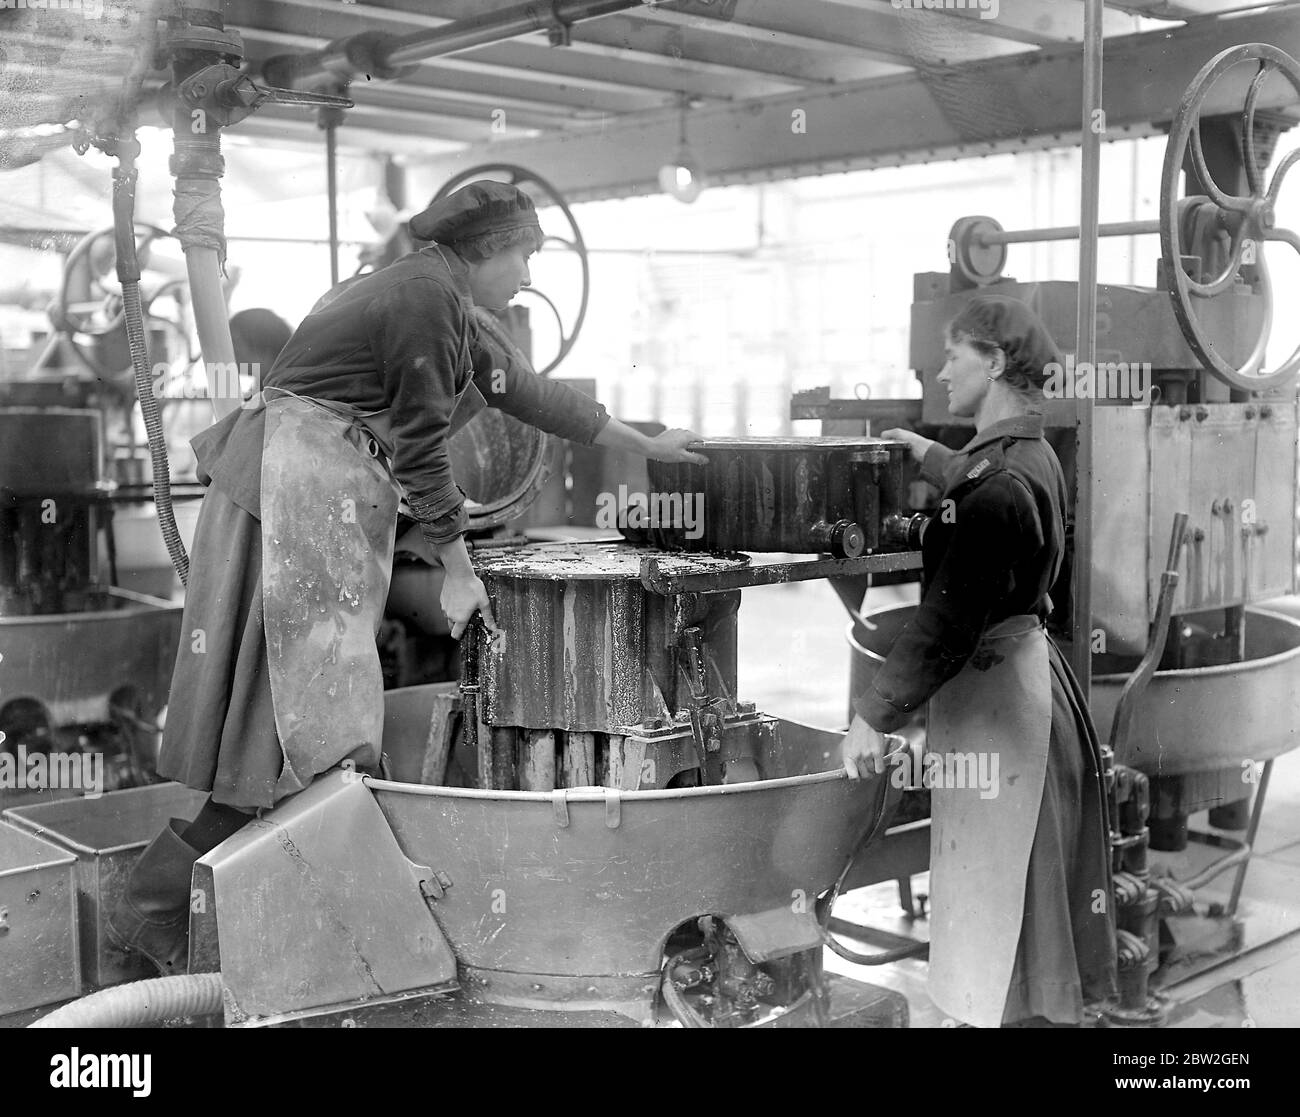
(162, 482)
(141, 1002)
(128, 271)
(828, 902)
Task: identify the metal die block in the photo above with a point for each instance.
(40, 961)
(797, 495)
(107, 834)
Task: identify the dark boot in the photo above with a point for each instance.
(153, 916)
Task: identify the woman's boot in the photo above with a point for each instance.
(153, 916)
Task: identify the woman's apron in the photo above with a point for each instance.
(1000, 704)
(329, 511)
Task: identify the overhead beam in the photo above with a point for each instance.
(1036, 22)
(909, 119)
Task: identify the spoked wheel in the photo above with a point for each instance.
(1248, 221)
(99, 313)
(542, 193)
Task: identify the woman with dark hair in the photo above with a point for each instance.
(277, 678)
(1021, 930)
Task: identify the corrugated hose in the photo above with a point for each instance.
(141, 1002)
(128, 273)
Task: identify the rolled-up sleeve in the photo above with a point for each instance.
(508, 384)
(419, 336)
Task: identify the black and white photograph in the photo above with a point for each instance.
(650, 514)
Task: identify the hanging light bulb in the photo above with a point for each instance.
(682, 177)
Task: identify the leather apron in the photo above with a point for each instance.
(1000, 704)
(329, 511)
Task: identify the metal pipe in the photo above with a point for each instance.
(1252, 832)
(1065, 232)
(1086, 343)
(341, 58)
(208, 302)
(332, 193)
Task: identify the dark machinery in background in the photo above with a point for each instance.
(68, 461)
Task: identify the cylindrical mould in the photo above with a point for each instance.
(587, 648)
(799, 495)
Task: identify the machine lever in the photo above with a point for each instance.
(227, 95)
(1131, 695)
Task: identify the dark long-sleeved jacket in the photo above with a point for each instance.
(992, 551)
(402, 340)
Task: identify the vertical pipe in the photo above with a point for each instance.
(332, 191)
(536, 760)
(579, 759)
(1086, 342)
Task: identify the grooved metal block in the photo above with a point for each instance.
(798, 495)
(586, 646)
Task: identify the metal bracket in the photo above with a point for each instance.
(560, 805)
(656, 581)
(613, 808)
(559, 33)
(434, 886)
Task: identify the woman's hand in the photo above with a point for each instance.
(916, 444)
(862, 751)
(671, 447)
(462, 596)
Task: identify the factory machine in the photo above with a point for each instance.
(1190, 525)
(591, 825)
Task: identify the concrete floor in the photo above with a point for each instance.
(1224, 973)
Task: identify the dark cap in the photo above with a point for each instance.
(1014, 328)
(475, 210)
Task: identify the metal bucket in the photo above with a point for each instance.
(134, 640)
(1192, 720)
(39, 961)
(870, 646)
(107, 834)
(571, 896)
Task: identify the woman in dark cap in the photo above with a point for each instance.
(1021, 930)
(277, 678)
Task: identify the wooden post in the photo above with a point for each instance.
(504, 777)
(625, 758)
(442, 732)
(579, 759)
(537, 760)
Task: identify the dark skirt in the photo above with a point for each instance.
(1066, 954)
(220, 733)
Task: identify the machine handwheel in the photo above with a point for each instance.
(1248, 220)
(104, 312)
(522, 178)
